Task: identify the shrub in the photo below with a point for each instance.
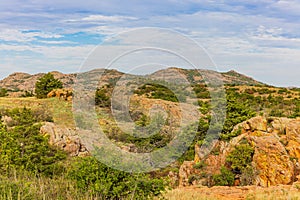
(226, 178)
(240, 158)
(27, 94)
(108, 183)
(158, 91)
(23, 147)
(3, 92)
(46, 84)
(102, 96)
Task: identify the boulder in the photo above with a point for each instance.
(66, 139)
(65, 94)
(272, 161)
(256, 123)
(276, 143)
(292, 131)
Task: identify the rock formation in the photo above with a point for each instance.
(65, 94)
(276, 143)
(65, 138)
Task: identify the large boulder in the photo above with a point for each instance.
(292, 132)
(276, 143)
(66, 139)
(271, 160)
(65, 94)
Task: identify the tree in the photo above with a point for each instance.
(46, 84)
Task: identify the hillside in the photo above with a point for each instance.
(257, 149)
(18, 83)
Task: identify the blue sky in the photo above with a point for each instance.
(260, 38)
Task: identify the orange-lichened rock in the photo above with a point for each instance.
(276, 144)
(65, 94)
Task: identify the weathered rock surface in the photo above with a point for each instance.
(65, 138)
(276, 142)
(65, 94)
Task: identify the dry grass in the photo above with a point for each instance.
(60, 110)
(234, 193)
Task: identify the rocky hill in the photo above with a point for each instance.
(20, 82)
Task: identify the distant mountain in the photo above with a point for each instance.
(20, 82)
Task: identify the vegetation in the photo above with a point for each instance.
(102, 96)
(3, 92)
(156, 91)
(226, 178)
(28, 160)
(46, 84)
(26, 157)
(107, 183)
(27, 94)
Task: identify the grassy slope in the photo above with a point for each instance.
(59, 109)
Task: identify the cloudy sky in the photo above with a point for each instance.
(260, 38)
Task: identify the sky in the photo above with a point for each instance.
(259, 38)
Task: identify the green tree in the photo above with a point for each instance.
(46, 84)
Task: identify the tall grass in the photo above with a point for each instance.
(21, 185)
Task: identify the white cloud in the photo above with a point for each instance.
(15, 35)
(103, 18)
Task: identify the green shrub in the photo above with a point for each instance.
(107, 183)
(46, 84)
(158, 91)
(240, 158)
(102, 98)
(27, 94)
(226, 178)
(3, 92)
(23, 147)
(200, 165)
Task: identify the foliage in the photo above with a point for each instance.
(107, 183)
(241, 157)
(3, 92)
(200, 165)
(226, 178)
(46, 84)
(27, 94)
(157, 91)
(201, 91)
(102, 96)
(23, 147)
(237, 111)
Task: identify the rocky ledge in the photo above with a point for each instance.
(276, 144)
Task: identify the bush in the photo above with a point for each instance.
(23, 147)
(46, 84)
(107, 183)
(226, 178)
(240, 158)
(157, 91)
(27, 94)
(3, 92)
(102, 96)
